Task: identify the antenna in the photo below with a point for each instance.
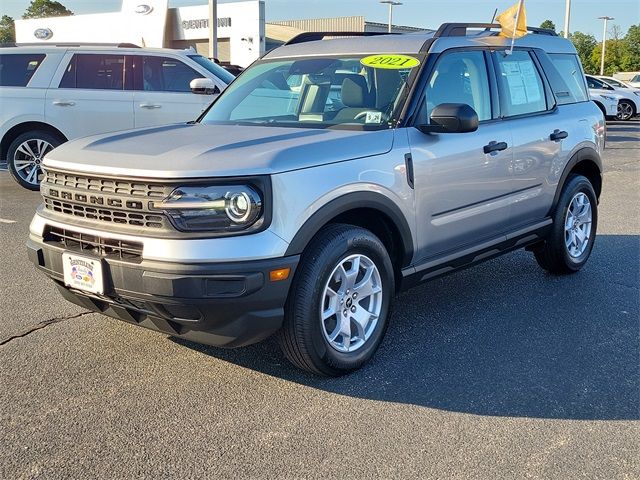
(495, 12)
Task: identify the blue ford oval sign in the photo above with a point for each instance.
(144, 9)
(43, 33)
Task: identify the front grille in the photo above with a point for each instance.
(105, 185)
(105, 214)
(91, 200)
(94, 245)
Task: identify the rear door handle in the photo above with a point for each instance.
(150, 105)
(64, 103)
(558, 135)
(495, 146)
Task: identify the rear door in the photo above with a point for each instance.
(162, 92)
(462, 193)
(538, 130)
(93, 95)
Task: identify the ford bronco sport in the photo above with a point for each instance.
(330, 175)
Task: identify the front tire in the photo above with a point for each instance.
(568, 246)
(25, 156)
(338, 308)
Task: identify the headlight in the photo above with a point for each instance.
(607, 97)
(214, 208)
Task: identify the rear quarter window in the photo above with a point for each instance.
(17, 70)
(570, 86)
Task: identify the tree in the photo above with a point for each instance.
(46, 8)
(7, 29)
(631, 56)
(585, 44)
(549, 25)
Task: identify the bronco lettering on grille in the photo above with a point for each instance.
(95, 199)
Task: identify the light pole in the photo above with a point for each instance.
(567, 17)
(604, 41)
(391, 4)
(213, 28)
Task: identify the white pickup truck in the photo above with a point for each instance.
(54, 93)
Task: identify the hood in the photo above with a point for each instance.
(196, 150)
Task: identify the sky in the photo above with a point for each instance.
(418, 13)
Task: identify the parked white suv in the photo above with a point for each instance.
(628, 106)
(51, 94)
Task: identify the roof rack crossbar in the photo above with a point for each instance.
(460, 29)
(313, 36)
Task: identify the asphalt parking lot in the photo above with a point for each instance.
(500, 371)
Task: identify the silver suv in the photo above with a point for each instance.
(329, 176)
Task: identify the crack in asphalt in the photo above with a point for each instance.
(41, 325)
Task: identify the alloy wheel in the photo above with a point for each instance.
(625, 111)
(28, 157)
(577, 225)
(351, 303)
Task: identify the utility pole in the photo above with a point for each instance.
(391, 3)
(604, 41)
(567, 17)
(213, 29)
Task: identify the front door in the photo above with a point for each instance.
(163, 94)
(462, 193)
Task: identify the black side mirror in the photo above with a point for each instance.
(451, 118)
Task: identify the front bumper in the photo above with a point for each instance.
(223, 304)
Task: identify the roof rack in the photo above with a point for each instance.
(71, 44)
(460, 29)
(313, 36)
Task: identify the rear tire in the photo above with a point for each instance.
(26, 153)
(568, 246)
(626, 110)
(328, 329)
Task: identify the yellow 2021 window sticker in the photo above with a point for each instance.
(391, 62)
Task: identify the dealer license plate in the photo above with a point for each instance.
(82, 273)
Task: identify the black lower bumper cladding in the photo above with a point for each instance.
(222, 304)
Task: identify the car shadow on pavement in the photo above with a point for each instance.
(503, 339)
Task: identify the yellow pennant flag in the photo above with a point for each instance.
(513, 21)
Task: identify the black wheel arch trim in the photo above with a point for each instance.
(353, 201)
(585, 154)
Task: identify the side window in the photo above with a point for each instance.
(163, 74)
(593, 83)
(94, 72)
(520, 84)
(460, 77)
(17, 70)
(568, 85)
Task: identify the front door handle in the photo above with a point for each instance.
(495, 146)
(558, 135)
(64, 103)
(150, 105)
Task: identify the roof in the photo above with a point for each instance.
(51, 47)
(414, 43)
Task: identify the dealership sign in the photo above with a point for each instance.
(204, 23)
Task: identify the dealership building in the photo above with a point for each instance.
(243, 34)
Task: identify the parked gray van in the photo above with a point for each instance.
(330, 175)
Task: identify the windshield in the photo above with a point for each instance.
(615, 83)
(217, 70)
(356, 92)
